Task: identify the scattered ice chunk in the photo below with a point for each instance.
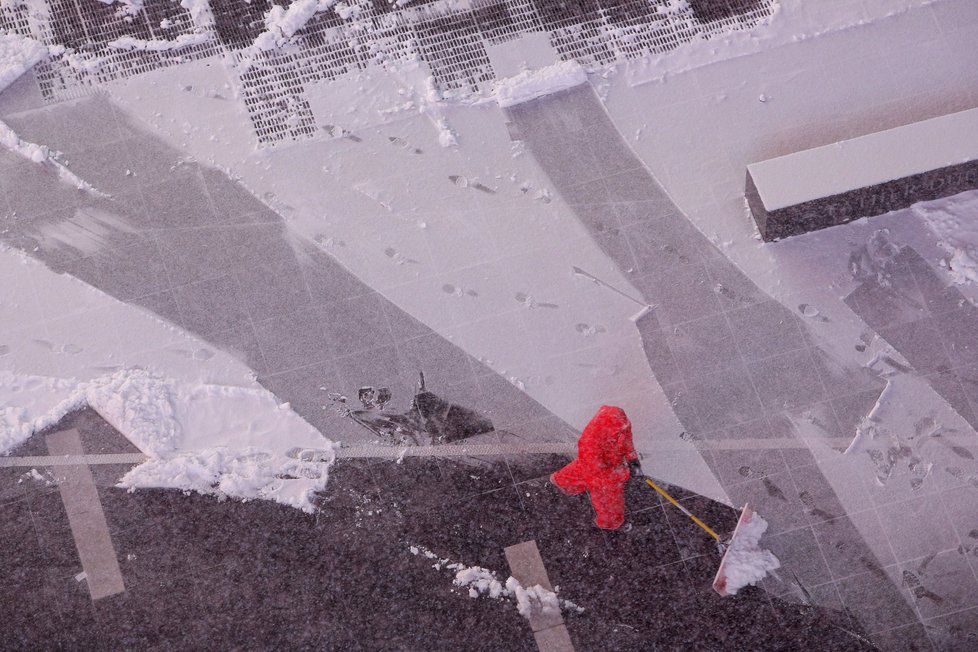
(160, 45)
(673, 7)
(478, 582)
(128, 8)
(533, 599)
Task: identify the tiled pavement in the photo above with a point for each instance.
(273, 314)
(836, 573)
(931, 324)
(256, 575)
(734, 362)
(197, 249)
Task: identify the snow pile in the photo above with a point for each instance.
(347, 11)
(955, 222)
(746, 562)
(32, 403)
(534, 599)
(250, 473)
(200, 12)
(42, 155)
(673, 7)
(225, 441)
(531, 84)
(31, 151)
(18, 54)
(281, 24)
(478, 581)
(127, 7)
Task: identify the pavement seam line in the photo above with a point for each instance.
(451, 450)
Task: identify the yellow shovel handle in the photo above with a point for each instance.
(683, 509)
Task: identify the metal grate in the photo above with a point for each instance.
(450, 36)
(454, 49)
(85, 30)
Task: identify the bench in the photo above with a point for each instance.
(865, 176)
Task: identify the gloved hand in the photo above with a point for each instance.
(635, 467)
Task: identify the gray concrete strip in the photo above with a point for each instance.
(86, 518)
(452, 450)
(554, 639)
(772, 444)
(526, 565)
(458, 450)
(74, 460)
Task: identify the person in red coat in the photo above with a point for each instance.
(603, 453)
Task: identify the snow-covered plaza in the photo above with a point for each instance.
(302, 302)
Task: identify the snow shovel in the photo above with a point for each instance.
(720, 581)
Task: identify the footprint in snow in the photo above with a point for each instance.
(590, 331)
(403, 144)
(529, 302)
(811, 312)
(340, 132)
(199, 354)
(463, 182)
(398, 257)
(448, 288)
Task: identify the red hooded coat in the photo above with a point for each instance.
(601, 467)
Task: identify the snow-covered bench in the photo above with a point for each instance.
(865, 176)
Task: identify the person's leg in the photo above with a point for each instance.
(608, 499)
(569, 479)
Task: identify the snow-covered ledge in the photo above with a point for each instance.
(865, 176)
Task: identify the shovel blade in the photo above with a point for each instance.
(720, 581)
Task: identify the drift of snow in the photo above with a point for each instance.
(18, 54)
(531, 84)
(478, 581)
(138, 405)
(244, 474)
(200, 12)
(32, 403)
(212, 439)
(746, 562)
(673, 7)
(282, 23)
(41, 155)
(955, 222)
(31, 151)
